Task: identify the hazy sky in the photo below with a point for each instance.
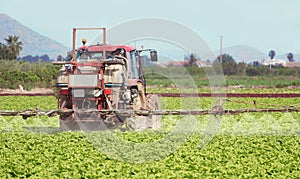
(263, 24)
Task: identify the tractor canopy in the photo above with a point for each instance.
(95, 52)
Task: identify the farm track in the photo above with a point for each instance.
(26, 94)
(232, 95)
(183, 95)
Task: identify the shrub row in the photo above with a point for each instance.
(28, 75)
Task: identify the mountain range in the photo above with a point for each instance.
(33, 42)
(244, 53)
(37, 44)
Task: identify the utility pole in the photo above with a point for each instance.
(221, 49)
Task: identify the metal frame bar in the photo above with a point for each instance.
(74, 40)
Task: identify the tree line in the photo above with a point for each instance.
(39, 74)
(231, 67)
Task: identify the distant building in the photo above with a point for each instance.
(281, 62)
(201, 63)
(274, 62)
(292, 64)
(178, 63)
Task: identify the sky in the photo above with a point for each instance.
(262, 24)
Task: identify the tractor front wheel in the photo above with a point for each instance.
(140, 123)
(153, 105)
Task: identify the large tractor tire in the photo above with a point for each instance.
(140, 123)
(153, 104)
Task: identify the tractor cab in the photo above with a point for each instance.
(129, 54)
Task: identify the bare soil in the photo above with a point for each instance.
(33, 91)
(50, 91)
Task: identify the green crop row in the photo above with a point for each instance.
(250, 145)
(233, 89)
(71, 155)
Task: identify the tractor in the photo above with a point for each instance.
(101, 79)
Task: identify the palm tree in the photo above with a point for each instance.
(14, 46)
(290, 56)
(272, 54)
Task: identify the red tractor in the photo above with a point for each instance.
(100, 80)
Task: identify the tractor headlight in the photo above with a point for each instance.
(126, 96)
(97, 92)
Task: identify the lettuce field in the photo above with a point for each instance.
(248, 145)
